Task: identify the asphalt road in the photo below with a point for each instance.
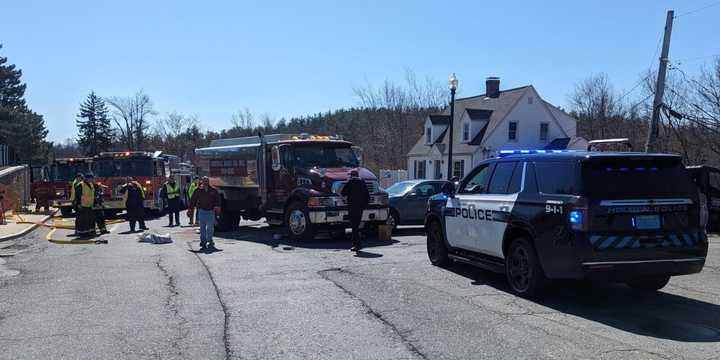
(261, 298)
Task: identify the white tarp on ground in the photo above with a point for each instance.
(153, 238)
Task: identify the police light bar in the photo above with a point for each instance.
(503, 153)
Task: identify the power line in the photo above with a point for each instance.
(716, 3)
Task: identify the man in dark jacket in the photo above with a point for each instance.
(358, 198)
(206, 200)
(171, 195)
(134, 203)
(98, 212)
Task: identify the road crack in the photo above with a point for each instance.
(403, 335)
(171, 305)
(226, 313)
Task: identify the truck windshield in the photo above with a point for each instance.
(124, 167)
(324, 156)
(67, 172)
(627, 178)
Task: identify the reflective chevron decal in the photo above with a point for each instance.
(604, 242)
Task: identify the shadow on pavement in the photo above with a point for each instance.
(265, 235)
(365, 254)
(412, 231)
(659, 315)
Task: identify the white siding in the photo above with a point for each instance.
(529, 117)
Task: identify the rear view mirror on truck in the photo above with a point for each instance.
(275, 154)
(358, 154)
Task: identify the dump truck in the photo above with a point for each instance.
(293, 181)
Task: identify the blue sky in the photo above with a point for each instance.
(288, 58)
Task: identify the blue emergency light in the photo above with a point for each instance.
(503, 153)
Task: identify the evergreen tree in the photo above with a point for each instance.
(94, 127)
(20, 128)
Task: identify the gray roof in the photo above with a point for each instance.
(479, 114)
(439, 119)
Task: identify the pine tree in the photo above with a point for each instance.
(20, 128)
(94, 127)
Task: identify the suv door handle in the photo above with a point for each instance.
(504, 208)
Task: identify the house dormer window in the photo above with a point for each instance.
(512, 131)
(466, 132)
(428, 135)
(544, 131)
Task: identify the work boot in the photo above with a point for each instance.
(212, 247)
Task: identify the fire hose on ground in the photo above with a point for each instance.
(55, 226)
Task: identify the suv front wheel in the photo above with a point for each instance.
(522, 268)
(436, 249)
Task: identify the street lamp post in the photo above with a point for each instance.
(452, 84)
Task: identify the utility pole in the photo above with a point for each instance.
(653, 132)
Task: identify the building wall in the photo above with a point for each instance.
(529, 116)
(15, 187)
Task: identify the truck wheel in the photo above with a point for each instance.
(523, 271)
(649, 283)
(66, 211)
(393, 220)
(298, 222)
(229, 221)
(436, 249)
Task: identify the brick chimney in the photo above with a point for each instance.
(492, 87)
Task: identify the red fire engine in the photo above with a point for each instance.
(60, 175)
(150, 169)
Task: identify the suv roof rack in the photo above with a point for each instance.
(504, 153)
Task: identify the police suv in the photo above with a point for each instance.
(538, 215)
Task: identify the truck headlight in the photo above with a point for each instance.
(321, 201)
(60, 193)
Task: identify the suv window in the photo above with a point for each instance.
(531, 185)
(557, 177)
(477, 181)
(501, 178)
(618, 178)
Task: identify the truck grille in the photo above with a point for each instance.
(372, 186)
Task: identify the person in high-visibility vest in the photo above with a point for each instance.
(84, 203)
(98, 208)
(191, 190)
(171, 195)
(78, 179)
(134, 203)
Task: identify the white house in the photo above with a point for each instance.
(511, 119)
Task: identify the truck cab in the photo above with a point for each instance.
(291, 180)
(61, 174)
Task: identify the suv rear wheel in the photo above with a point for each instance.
(522, 268)
(298, 222)
(436, 249)
(649, 283)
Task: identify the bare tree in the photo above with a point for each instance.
(132, 115)
(596, 106)
(243, 119)
(175, 124)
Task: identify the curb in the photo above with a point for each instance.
(28, 230)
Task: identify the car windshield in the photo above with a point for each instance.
(124, 167)
(324, 156)
(400, 188)
(67, 172)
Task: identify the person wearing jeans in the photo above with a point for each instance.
(206, 200)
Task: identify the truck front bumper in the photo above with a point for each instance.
(343, 216)
(61, 203)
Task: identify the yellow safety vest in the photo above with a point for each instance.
(191, 190)
(72, 189)
(172, 191)
(88, 195)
